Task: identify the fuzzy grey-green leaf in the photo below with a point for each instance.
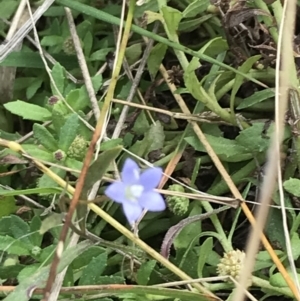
(44, 137)
(68, 132)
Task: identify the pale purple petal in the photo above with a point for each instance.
(152, 201)
(132, 211)
(131, 172)
(116, 192)
(150, 178)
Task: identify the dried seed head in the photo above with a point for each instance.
(53, 100)
(59, 155)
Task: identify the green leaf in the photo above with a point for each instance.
(190, 231)
(141, 124)
(74, 164)
(190, 25)
(51, 221)
(16, 228)
(256, 97)
(99, 167)
(155, 58)
(192, 83)
(172, 18)
(214, 47)
(7, 205)
(245, 68)
(145, 271)
(263, 260)
(277, 280)
(44, 137)
(111, 144)
(274, 229)
(13, 246)
(8, 8)
(68, 132)
(93, 270)
(46, 190)
(100, 55)
(292, 186)
(34, 86)
(20, 230)
(195, 8)
(88, 44)
(58, 117)
(45, 181)
(95, 173)
(156, 135)
(253, 139)
(76, 100)
(133, 53)
(79, 99)
(58, 74)
(35, 225)
(227, 150)
(205, 250)
(5, 223)
(28, 111)
(52, 40)
(39, 278)
(10, 271)
(38, 153)
(85, 258)
(110, 280)
(295, 242)
(33, 60)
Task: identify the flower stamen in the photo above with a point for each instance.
(133, 192)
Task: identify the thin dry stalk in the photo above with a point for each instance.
(134, 88)
(8, 74)
(82, 64)
(7, 48)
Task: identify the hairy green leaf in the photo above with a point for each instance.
(44, 137)
(93, 270)
(28, 111)
(227, 150)
(145, 271)
(68, 132)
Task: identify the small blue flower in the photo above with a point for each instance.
(136, 191)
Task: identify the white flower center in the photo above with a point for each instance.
(133, 192)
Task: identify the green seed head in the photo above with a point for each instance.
(78, 148)
(179, 205)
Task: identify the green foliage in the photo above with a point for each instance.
(177, 204)
(7, 205)
(194, 8)
(44, 137)
(145, 271)
(28, 111)
(68, 132)
(292, 186)
(210, 87)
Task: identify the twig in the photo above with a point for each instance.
(7, 48)
(60, 277)
(82, 64)
(134, 86)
